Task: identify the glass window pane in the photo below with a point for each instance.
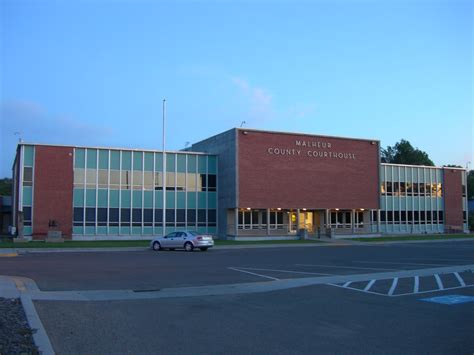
(103, 179)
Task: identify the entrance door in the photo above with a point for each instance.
(306, 221)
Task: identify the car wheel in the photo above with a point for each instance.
(204, 249)
(156, 246)
(188, 246)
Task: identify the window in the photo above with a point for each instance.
(148, 217)
(211, 182)
(102, 217)
(211, 217)
(79, 178)
(27, 216)
(180, 181)
(103, 179)
(170, 183)
(27, 176)
(170, 218)
(158, 217)
(114, 217)
(90, 216)
(191, 182)
(192, 218)
(158, 181)
(137, 180)
(202, 217)
(78, 216)
(91, 178)
(125, 217)
(389, 188)
(137, 217)
(126, 177)
(114, 179)
(180, 217)
(148, 180)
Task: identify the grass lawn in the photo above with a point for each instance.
(132, 243)
(413, 237)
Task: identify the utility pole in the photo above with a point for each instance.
(164, 171)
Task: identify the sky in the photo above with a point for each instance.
(95, 73)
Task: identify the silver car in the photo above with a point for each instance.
(188, 240)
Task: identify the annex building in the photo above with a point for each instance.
(241, 183)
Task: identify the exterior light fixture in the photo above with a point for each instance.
(279, 209)
(337, 209)
(304, 209)
(245, 133)
(248, 208)
(362, 209)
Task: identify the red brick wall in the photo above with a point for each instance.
(298, 180)
(453, 197)
(53, 187)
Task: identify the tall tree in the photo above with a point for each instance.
(6, 186)
(404, 153)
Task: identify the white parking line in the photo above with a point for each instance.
(439, 282)
(345, 267)
(252, 273)
(394, 286)
(416, 287)
(286, 271)
(396, 263)
(369, 285)
(461, 281)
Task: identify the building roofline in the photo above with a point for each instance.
(424, 166)
(307, 134)
(113, 148)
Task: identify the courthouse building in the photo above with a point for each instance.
(242, 183)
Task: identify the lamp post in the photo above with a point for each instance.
(164, 170)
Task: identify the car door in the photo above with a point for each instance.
(168, 240)
(179, 240)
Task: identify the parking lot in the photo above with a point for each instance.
(408, 298)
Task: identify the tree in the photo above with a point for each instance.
(6, 187)
(470, 185)
(404, 153)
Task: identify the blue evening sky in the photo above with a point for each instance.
(96, 72)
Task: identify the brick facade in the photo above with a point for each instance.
(53, 188)
(453, 198)
(305, 171)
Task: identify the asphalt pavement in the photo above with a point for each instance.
(342, 298)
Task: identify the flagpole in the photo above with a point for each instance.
(164, 170)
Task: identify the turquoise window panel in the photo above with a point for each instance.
(158, 161)
(192, 200)
(137, 160)
(148, 161)
(137, 199)
(202, 196)
(170, 230)
(382, 173)
(212, 199)
(201, 230)
(78, 197)
(409, 174)
(102, 230)
(170, 162)
(147, 230)
(404, 228)
(136, 230)
(212, 164)
(114, 198)
(115, 159)
(202, 164)
(212, 230)
(388, 173)
(125, 198)
(158, 230)
(89, 231)
(409, 203)
(422, 203)
(158, 199)
(80, 158)
(396, 203)
(126, 160)
(181, 199)
(439, 175)
(170, 196)
(27, 196)
(114, 231)
(90, 198)
(103, 159)
(416, 203)
(428, 203)
(402, 170)
(92, 158)
(125, 230)
(192, 161)
(148, 199)
(77, 230)
(382, 204)
(102, 198)
(415, 174)
(29, 155)
(181, 163)
(440, 203)
(27, 230)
